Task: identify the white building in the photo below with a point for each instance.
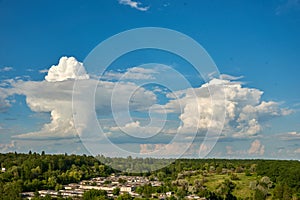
(126, 189)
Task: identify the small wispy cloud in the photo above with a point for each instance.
(43, 71)
(134, 73)
(230, 78)
(134, 4)
(290, 136)
(6, 69)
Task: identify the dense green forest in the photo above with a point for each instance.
(211, 178)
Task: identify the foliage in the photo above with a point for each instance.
(210, 178)
(125, 196)
(32, 172)
(94, 194)
(116, 191)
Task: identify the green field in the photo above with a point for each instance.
(242, 183)
(242, 188)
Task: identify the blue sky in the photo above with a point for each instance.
(256, 40)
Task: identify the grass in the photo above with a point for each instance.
(241, 190)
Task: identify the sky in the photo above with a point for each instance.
(151, 102)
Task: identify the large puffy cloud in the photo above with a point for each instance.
(245, 112)
(49, 97)
(67, 68)
(54, 95)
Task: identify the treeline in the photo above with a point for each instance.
(285, 175)
(34, 171)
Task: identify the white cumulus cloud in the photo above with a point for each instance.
(67, 68)
(245, 112)
(54, 96)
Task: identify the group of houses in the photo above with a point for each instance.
(126, 184)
